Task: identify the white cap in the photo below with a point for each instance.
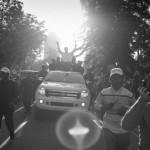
(5, 70)
(116, 71)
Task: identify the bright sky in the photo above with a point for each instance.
(61, 16)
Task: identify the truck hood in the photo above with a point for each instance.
(61, 86)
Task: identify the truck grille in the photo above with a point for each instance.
(63, 94)
(62, 104)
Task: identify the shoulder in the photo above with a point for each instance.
(127, 93)
(106, 91)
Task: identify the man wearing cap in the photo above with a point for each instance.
(8, 96)
(112, 103)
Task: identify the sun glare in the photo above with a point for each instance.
(66, 26)
(62, 17)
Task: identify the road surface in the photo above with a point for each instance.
(40, 135)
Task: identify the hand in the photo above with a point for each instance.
(145, 94)
(109, 106)
(121, 111)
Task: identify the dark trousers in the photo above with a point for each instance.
(26, 99)
(8, 114)
(115, 141)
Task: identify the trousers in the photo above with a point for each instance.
(8, 114)
(115, 141)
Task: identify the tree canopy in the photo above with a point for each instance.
(116, 30)
(20, 34)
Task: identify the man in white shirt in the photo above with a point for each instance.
(67, 56)
(113, 102)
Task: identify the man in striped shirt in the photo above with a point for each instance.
(113, 102)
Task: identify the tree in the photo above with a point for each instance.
(117, 29)
(20, 34)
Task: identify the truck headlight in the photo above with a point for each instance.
(41, 101)
(41, 91)
(83, 104)
(84, 94)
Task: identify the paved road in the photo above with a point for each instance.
(39, 135)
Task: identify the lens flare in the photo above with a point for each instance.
(78, 130)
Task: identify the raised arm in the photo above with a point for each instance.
(80, 53)
(59, 48)
(76, 49)
(134, 114)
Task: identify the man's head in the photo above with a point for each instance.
(66, 49)
(89, 70)
(4, 72)
(43, 67)
(116, 78)
(79, 62)
(53, 61)
(58, 59)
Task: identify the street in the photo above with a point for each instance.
(40, 135)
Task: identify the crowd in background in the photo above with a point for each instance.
(59, 64)
(112, 96)
(97, 84)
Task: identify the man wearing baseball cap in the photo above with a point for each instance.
(8, 96)
(112, 103)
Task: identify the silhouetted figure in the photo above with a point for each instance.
(66, 55)
(139, 116)
(89, 76)
(8, 97)
(73, 64)
(79, 67)
(89, 81)
(27, 88)
(53, 65)
(43, 72)
(58, 64)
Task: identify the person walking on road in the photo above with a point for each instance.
(112, 103)
(139, 115)
(8, 97)
(89, 78)
(26, 89)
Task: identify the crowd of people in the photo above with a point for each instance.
(73, 65)
(119, 108)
